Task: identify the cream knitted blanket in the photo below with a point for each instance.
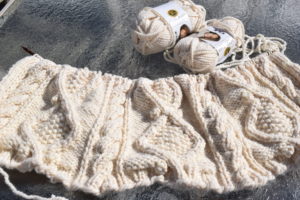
(95, 132)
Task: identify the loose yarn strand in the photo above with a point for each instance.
(22, 194)
(168, 56)
(264, 45)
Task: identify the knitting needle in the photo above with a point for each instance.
(27, 50)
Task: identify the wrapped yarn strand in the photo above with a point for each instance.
(153, 34)
(255, 45)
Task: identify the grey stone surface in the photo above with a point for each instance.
(96, 34)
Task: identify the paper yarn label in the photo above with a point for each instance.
(175, 15)
(224, 46)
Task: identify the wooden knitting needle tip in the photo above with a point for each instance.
(27, 50)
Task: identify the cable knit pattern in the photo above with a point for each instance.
(95, 132)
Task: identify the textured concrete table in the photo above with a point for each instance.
(96, 34)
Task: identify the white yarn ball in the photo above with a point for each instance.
(153, 34)
(197, 56)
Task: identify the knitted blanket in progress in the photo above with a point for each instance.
(223, 131)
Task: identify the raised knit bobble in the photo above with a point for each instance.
(153, 34)
(197, 56)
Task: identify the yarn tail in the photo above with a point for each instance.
(21, 194)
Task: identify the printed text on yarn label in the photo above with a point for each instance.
(175, 15)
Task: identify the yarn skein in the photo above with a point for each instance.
(153, 34)
(197, 56)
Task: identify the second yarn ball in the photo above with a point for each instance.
(197, 56)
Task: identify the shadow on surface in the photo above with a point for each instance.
(285, 187)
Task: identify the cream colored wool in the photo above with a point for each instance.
(197, 56)
(153, 34)
(223, 131)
